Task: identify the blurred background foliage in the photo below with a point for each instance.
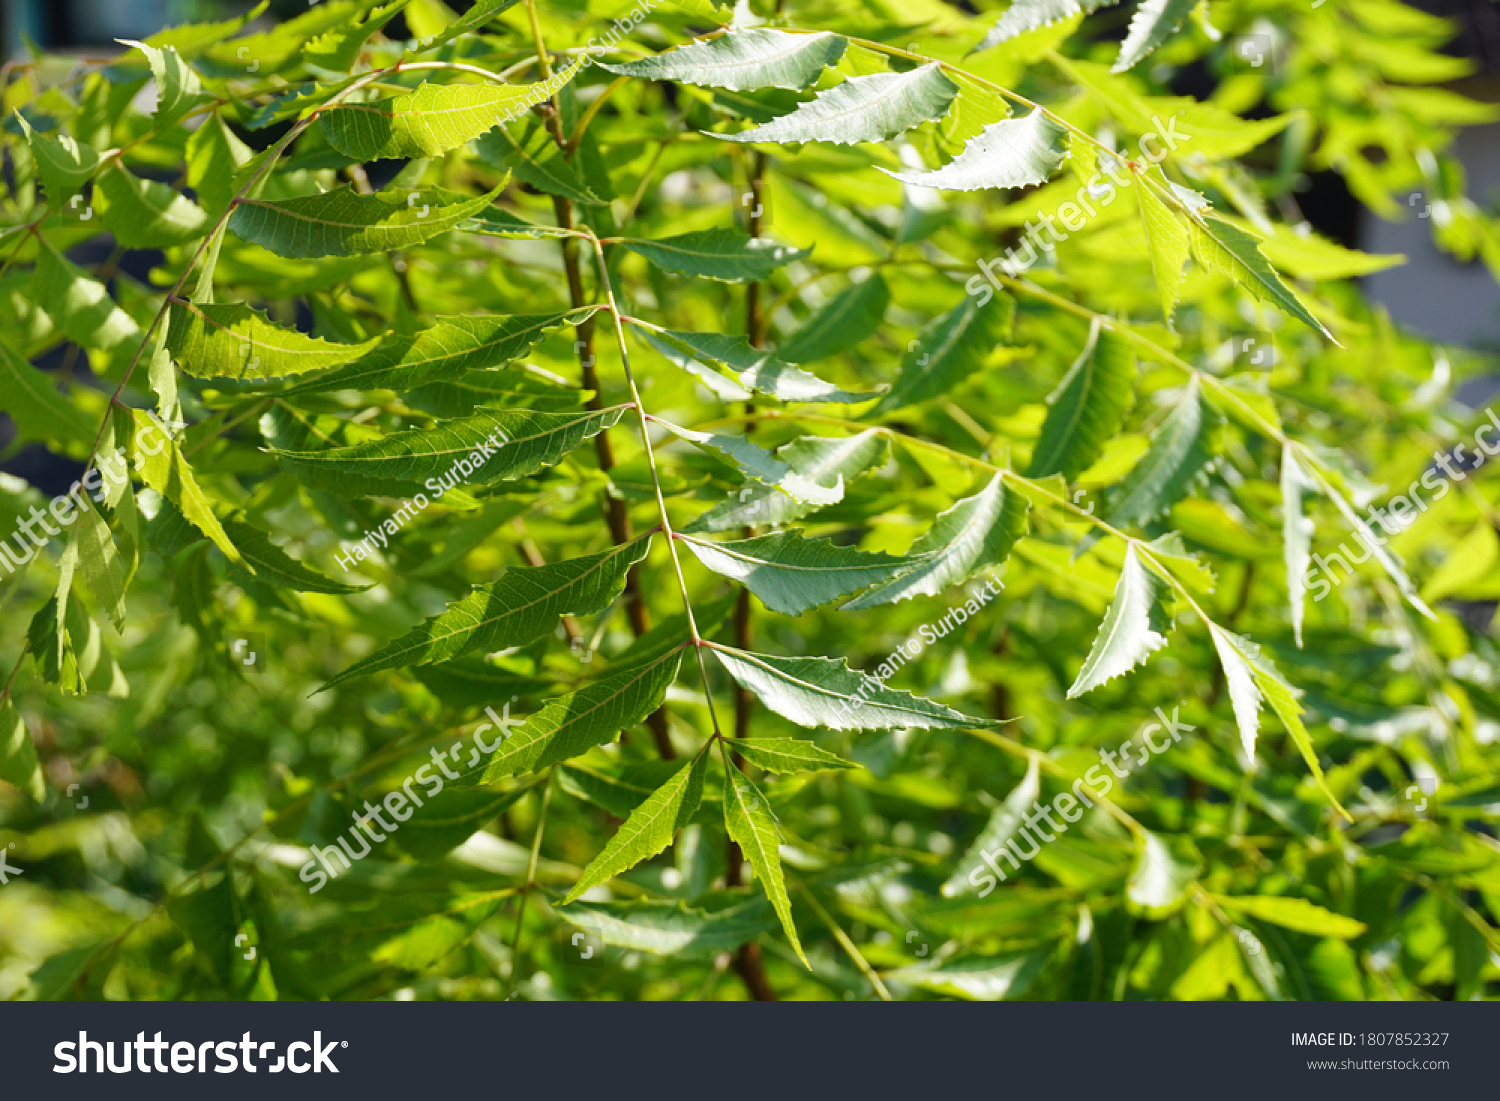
(173, 803)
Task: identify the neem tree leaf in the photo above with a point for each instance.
(177, 86)
(727, 255)
(32, 400)
(1178, 453)
(668, 928)
(1168, 240)
(536, 160)
(346, 223)
(814, 691)
(518, 441)
(573, 724)
(425, 123)
(1030, 15)
(146, 214)
(447, 349)
(826, 461)
(744, 60)
(1232, 251)
(752, 826)
(787, 755)
(1135, 626)
(1153, 23)
(18, 759)
(946, 350)
(64, 164)
(650, 827)
(522, 605)
(230, 340)
(1009, 153)
(754, 461)
(79, 306)
(1086, 408)
(791, 573)
(754, 369)
(862, 109)
(839, 324)
(977, 532)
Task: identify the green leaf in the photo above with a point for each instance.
(1031, 15)
(475, 19)
(346, 223)
(1471, 559)
(64, 164)
(862, 109)
(274, 566)
(1178, 453)
(522, 605)
(946, 351)
(31, 399)
(754, 368)
(99, 559)
(338, 49)
(786, 755)
(451, 817)
(846, 319)
(1135, 626)
(448, 349)
(755, 462)
(1296, 536)
(976, 533)
(727, 255)
(1005, 822)
(744, 60)
(79, 306)
(1086, 408)
(1251, 676)
(824, 461)
(143, 213)
(1159, 881)
(18, 759)
(425, 123)
(790, 573)
(977, 978)
(1234, 252)
(752, 826)
(1373, 542)
(1009, 153)
(166, 470)
(1153, 23)
(1297, 914)
(572, 724)
(1167, 239)
(519, 442)
(207, 915)
(650, 827)
(535, 160)
(214, 158)
(230, 340)
(672, 928)
(814, 691)
(178, 87)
